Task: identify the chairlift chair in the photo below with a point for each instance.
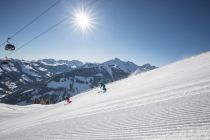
(9, 46)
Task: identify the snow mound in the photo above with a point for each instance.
(172, 102)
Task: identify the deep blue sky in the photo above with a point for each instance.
(143, 31)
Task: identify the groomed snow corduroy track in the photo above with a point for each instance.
(172, 102)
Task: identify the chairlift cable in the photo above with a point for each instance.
(42, 33)
(32, 21)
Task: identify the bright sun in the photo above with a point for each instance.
(83, 20)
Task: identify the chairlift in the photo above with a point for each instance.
(9, 46)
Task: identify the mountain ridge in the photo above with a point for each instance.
(22, 80)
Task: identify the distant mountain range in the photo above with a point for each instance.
(24, 81)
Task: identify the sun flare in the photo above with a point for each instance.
(83, 20)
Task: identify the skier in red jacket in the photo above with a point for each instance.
(68, 100)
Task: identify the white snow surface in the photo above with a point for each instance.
(42, 69)
(10, 85)
(26, 78)
(13, 69)
(73, 67)
(27, 91)
(168, 103)
(62, 83)
(52, 62)
(55, 64)
(66, 82)
(29, 70)
(6, 68)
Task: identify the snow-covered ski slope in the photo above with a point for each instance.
(172, 102)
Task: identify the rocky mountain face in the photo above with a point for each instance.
(24, 81)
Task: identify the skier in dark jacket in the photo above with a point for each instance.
(102, 85)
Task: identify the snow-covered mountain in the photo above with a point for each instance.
(53, 62)
(168, 103)
(125, 66)
(20, 73)
(23, 81)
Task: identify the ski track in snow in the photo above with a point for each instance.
(172, 102)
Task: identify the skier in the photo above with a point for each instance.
(68, 100)
(102, 85)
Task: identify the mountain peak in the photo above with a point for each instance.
(117, 59)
